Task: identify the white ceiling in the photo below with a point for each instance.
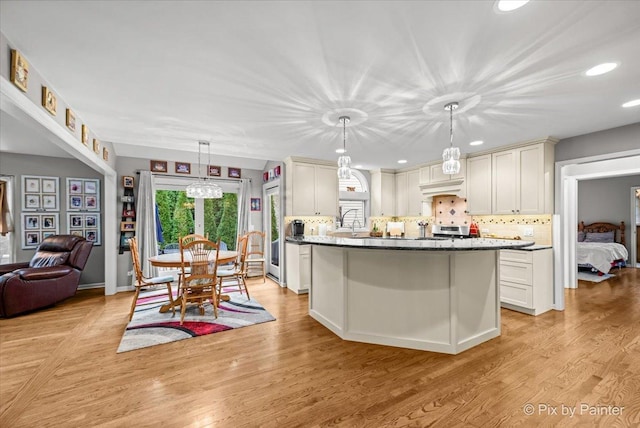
(266, 80)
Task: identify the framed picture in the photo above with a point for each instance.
(32, 222)
(127, 182)
(158, 166)
(83, 194)
(32, 185)
(71, 120)
(128, 213)
(105, 154)
(40, 193)
(234, 173)
(127, 226)
(32, 201)
(38, 226)
(75, 186)
(50, 202)
(215, 171)
(276, 171)
(96, 145)
(49, 101)
(255, 204)
(90, 187)
(183, 168)
(85, 135)
(49, 185)
(19, 70)
(86, 225)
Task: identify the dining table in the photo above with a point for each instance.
(174, 260)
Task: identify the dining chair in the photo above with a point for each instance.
(199, 279)
(142, 281)
(185, 240)
(237, 273)
(255, 260)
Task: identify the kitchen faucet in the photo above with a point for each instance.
(343, 215)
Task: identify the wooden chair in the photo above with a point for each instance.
(199, 278)
(237, 272)
(185, 240)
(142, 281)
(255, 261)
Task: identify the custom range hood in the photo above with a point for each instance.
(456, 187)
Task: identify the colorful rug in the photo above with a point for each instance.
(149, 327)
(593, 277)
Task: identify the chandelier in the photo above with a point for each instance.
(451, 155)
(344, 161)
(204, 188)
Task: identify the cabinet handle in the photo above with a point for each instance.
(513, 211)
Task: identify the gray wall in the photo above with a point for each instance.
(608, 200)
(17, 165)
(597, 143)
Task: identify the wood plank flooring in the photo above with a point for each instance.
(59, 368)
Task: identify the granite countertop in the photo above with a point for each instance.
(414, 244)
(535, 248)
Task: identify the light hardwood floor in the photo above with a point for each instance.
(59, 367)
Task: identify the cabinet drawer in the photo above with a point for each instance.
(305, 249)
(516, 294)
(516, 256)
(520, 273)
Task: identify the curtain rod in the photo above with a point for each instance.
(192, 177)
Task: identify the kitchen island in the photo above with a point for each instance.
(432, 295)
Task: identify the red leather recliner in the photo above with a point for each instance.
(52, 275)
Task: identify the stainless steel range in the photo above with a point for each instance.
(451, 231)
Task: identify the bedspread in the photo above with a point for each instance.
(600, 254)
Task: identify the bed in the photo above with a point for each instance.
(601, 246)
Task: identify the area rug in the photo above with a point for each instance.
(593, 277)
(149, 327)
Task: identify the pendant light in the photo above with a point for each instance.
(451, 155)
(344, 161)
(204, 188)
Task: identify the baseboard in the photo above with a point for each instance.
(90, 286)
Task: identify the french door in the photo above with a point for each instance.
(274, 238)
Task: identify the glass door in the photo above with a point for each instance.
(272, 229)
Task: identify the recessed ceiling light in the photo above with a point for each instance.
(402, 161)
(631, 103)
(510, 5)
(340, 150)
(476, 143)
(601, 69)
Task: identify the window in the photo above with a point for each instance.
(6, 241)
(354, 199)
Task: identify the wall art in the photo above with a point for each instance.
(70, 120)
(127, 182)
(158, 166)
(215, 171)
(19, 70)
(85, 135)
(83, 194)
(86, 225)
(40, 193)
(37, 226)
(96, 145)
(183, 168)
(234, 173)
(49, 101)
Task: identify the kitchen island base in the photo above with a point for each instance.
(440, 301)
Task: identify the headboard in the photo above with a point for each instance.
(604, 227)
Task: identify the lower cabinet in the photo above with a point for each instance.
(526, 280)
(298, 268)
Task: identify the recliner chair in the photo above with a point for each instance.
(52, 275)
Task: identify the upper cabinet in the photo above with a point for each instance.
(522, 180)
(414, 195)
(479, 185)
(311, 189)
(383, 197)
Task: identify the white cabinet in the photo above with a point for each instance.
(526, 280)
(437, 176)
(401, 194)
(298, 268)
(479, 185)
(414, 195)
(522, 180)
(383, 189)
(311, 189)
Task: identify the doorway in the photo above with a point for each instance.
(272, 223)
(634, 259)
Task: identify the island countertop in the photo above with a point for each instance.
(413, 244)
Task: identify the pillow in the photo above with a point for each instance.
(581, 235)
(600, 237)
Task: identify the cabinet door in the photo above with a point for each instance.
(425, 175)
(414, 195)
(531, 180)
(388, 199)
(304, 189)
(326, 190)
(305, 269)
(436, 175)
(504, 183)
(401, 194)
(479, 185)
